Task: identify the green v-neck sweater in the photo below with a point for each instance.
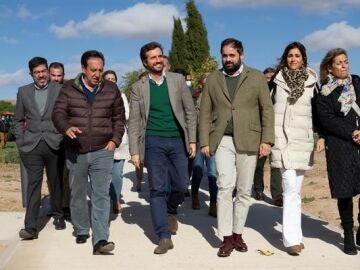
(161, 121)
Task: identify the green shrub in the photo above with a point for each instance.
(10, 153)
(307, 199)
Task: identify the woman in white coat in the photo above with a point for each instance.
(120, 155)
(293, 86)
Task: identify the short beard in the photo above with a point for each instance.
(232, 70)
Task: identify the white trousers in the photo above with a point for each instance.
(291, 182)
(234, 170)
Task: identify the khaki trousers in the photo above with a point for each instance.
(234, 170)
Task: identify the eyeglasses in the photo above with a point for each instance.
(38, 72)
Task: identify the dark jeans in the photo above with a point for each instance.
(275, 179)
(42, 156)
(198, 171)
(164, 157)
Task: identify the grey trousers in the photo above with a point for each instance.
(97, 166)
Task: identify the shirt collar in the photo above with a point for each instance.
(237, 73)
(87, 87)
(159, 82)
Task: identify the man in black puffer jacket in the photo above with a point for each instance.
(90, 113)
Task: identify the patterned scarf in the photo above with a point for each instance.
(347, 96)
(295, 80)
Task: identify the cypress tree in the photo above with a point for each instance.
(177, 52)
(196, 41)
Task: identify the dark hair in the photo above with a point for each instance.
(236, 44)
(57, 65)
(283, 59)
(91, 54)
(109, 72)
(269, 70)
(327, 62)
(37, 61)
(148, 47)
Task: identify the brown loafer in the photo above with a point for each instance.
(239, 243)
(226, 247)
(293, 250)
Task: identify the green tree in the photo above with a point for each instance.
(6, 106)
(209, 65)
(178, 50)
(128, 79)
(197, 44)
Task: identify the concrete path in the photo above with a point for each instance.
(196, 243)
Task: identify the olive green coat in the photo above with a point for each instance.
(251, 110)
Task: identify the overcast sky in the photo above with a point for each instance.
(63, 30)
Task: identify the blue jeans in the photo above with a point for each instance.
(117, 180)
(164, 157)
(97, 166)
(198, 170)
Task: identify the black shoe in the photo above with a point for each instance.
(259, 196)
(279, 202)
(26, 234)
(81, 238)
(103, 247)
(59, 223)
(349, 243)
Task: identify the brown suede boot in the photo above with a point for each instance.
(226, 247)
(164, 245)
(195, 200)
(172, 224)
(212, 209)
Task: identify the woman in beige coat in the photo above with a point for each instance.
(294, 84)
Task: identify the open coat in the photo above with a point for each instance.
(181, 103)
(251, 110)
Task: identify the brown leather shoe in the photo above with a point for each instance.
(293, 250)
(302, 246)
(226, 247)
(164, 245)
(195, 200)
(172, 223)
(239, 243)
(213, 209)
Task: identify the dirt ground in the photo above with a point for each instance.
(315, 192)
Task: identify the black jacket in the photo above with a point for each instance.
(342, 154)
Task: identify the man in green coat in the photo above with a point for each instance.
(236, 125)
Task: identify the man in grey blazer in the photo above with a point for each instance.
(162, 132)
(39, 144)
(236, 125)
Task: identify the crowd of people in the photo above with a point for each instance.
(81, 131)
